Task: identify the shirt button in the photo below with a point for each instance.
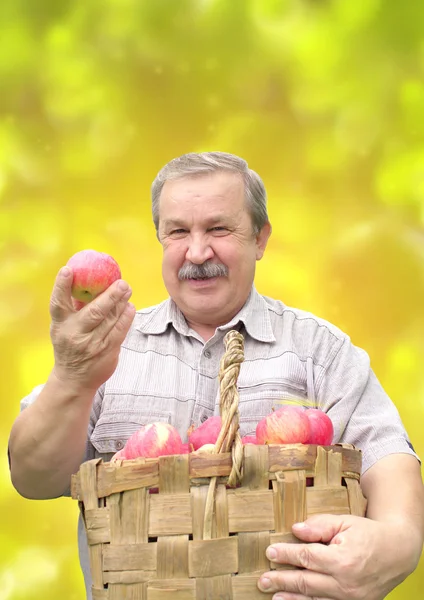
(208, 353)
(119, 445)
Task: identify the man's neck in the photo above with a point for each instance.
(205, 331)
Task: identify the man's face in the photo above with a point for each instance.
(203, 220)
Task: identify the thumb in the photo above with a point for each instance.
(61, 299)
(320, 528)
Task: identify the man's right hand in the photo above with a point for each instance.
(87, 342)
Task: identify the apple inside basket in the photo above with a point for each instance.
(205, 532)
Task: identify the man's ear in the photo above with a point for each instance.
(262, 240)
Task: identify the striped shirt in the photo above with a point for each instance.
(166, 372)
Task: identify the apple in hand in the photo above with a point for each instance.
(321, 427)
(93, 272)
(287, 425)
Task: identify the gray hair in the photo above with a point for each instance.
(194, 164)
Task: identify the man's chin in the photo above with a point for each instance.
(204, 301)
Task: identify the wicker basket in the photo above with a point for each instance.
(203, 536)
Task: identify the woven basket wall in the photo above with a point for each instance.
(197, 539)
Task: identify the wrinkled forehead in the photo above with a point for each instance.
(222, 192)
(214, 184)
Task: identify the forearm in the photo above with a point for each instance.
(395, 494)
(48, 440)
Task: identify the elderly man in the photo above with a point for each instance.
(116, 369)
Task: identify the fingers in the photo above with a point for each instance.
(300, 585)
(61, 301)
(318, 563)
(101, 307)
(315, 557)
(320, 528)
(291, 596)
(121, 327)
(112, 318)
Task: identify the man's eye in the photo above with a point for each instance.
(219, 228)
(177, 231)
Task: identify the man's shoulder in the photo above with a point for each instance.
(155, 313)
(304, 318)
(144, 314)
(148, 320)
(302, 329)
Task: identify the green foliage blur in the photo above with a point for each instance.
(324, 98)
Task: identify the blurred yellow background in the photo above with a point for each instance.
(324, 99)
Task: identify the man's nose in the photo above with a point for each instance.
(199, 250)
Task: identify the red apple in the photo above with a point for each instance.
(205, 449)
(93, 272)
(321, 427)
(185, 449)
(249, 439)
(206, 433)
(120, 455)
(78, 305)
(287, 425)
(153, 440)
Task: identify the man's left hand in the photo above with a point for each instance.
(346, 558)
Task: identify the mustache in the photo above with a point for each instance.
(204, 271)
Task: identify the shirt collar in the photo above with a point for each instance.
(254, 315)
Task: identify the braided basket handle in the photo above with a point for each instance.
(229, 439)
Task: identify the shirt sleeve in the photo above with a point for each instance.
(361, 411)
(94, 415)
